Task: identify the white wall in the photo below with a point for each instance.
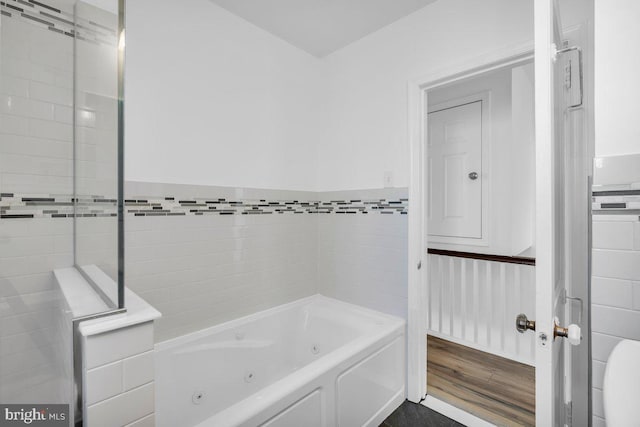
(617, 86)
(212, 99)
(225, 103)
(366, 133)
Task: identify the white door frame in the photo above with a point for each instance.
(417, 265)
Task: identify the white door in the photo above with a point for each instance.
(454, 157)
(556, 260)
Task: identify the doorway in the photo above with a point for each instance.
(559, 188)
(480, 259)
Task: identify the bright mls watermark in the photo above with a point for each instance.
(34, 415)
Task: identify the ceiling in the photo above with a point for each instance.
(321, 26)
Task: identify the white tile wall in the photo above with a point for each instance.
(104, 382)
(203, 270)
(29, 307)
(199, 271)
(362, 259)
(35, 136)
(35, 158)
(120, 344)
(615, 292)
(118, 377)
(123, 409)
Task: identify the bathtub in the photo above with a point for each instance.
(315, 362)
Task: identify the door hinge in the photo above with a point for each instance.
(568, 414)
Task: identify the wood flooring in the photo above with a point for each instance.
(490, 387)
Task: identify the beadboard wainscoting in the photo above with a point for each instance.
(475, 302)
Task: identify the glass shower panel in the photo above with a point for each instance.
(96, 136)
(59, 140)
(36, 186)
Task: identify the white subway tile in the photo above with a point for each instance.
(615, 321)
(30, 146)
(598, 403)
(138, 370)
(27, 322)
(612, 292)
(26, 342)
(35, 165)
(14, 125)
(602, 345)
(122, 409)
(613, 235)
(597, 372)
(49, 93)
(27, 265)
(24, 246)
(50, 130)
(636, 296)
(19, 106)
(103, 382)
(26, 361)
(13, 85)
(26, 284)
(26, 303)
(616, 264)
(37, 184)
(110, 346)
(63, 114)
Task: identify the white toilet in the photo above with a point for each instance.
(621, 387)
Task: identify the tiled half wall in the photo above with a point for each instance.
(203, 255)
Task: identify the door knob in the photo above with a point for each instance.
(571, 332)
(523, 324)
(473, 176)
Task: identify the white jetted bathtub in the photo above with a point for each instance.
(314, 362)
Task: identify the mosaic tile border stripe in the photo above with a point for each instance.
(59, 21)
(55, 206)
(62, 206)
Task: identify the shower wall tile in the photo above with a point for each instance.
(36, 74)
(35, 158)
(203, 270)
(362, 259)
(200, 270)
(615, 289)
(29, 307)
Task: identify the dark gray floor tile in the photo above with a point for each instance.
(414, 415)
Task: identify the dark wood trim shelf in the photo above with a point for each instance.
(485, 257)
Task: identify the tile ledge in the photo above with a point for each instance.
(83, 300)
